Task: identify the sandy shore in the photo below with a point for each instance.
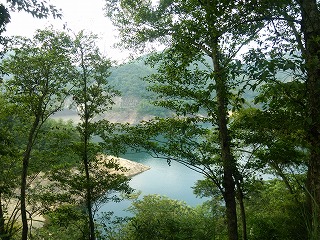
(131, 169)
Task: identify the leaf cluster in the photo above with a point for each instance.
(38, 9)
(40, 72)
(159, 217)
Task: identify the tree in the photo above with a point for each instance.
(191, 30)
(93, 96)
(292, 41)
(273, 213)
(158, 217)
(311, 32)
(40, 70)
(53, 145)
(273, 137)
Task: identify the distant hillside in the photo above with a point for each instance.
(134, 103)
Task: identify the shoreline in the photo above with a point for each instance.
(131, 169)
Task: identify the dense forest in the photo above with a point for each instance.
(233, 95)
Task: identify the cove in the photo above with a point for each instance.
(174, 181)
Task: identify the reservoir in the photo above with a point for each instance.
(174, 181)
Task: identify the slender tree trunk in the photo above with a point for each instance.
(242, 211)
(23, 209)
(88, 183)
(3, 232)
(311, 32)
(25, 166)
(86, 160)
(89, 206)
(226, 156)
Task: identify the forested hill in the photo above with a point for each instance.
(134, 103)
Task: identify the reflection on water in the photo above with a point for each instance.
(173, 181)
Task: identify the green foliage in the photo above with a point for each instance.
(183, 89)
(103, 182)
(91, 92)
(157, 217)
(38, 9)
(10, 168)
(198, 92)
(198, 79)
(55, 143)
(127, 78)
(35, 8)
(66, 222)
(41, 69)
(51, 149)
(274, 213)
(4, 18)
(276, 133)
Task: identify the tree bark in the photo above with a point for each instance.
(86, 137)
(3, 233)
(311, 32)
(25, 166)
(23, 209)
(226, 156)
(88, 188)
(242, 210)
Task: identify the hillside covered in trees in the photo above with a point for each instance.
(134, 103)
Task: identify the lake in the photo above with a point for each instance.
(174, 181)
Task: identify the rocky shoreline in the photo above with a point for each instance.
(132, 168)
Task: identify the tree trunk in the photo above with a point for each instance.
(26, 158)
(3, 232)
(86, 137)
(242, 211)
(226, 156)
(311, 32)
(88, 188)
(23, 209)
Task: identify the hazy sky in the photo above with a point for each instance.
(78, 14)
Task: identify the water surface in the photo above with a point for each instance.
(174, 181)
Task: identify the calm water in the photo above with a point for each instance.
(173, 181)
